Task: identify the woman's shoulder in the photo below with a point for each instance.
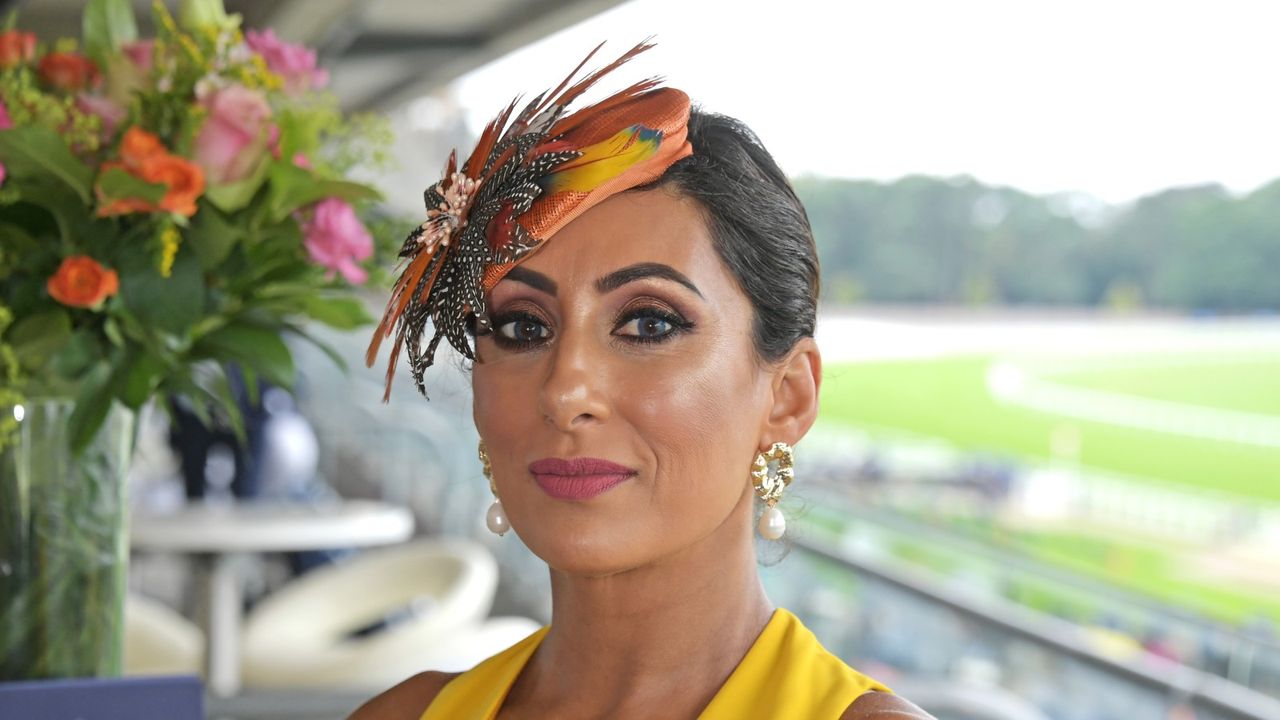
(883, 706)
(405, 701)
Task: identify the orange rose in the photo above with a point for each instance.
(184, 180)
(137, 146)
(16, 48)
(121, 206)
(144, 156)
(71, 72)
(82, 282)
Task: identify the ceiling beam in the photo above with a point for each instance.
(531, 21)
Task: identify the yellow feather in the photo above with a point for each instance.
(605, 160)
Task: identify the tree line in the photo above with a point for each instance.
(957, 241)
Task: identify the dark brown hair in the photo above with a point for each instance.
(759, 227)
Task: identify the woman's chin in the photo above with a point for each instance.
(588, 552)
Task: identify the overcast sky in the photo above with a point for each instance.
(1116, 98)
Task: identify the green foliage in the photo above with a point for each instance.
(179, 296)
(9, 382)
(928, 240)
(106, 26)
(41, 155)
(292, 188)
(29, 106)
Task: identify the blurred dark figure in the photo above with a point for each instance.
(278, 461)
(194, 442)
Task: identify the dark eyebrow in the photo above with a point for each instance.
(639, 271)
(533, 279)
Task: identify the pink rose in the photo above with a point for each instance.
(336, 239)
(234, 138)
(107, 111)
(3, 174)
(295, 63)
(140, 53)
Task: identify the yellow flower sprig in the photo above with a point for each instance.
(170, 239)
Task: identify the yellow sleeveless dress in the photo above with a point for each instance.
(786, 675)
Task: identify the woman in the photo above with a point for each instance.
(640, 281)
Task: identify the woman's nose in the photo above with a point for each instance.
(573, 394)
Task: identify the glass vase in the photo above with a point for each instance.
(63, 545)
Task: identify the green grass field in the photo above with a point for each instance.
(1249, 384)
(947, 398)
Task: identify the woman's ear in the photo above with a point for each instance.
(795, 384)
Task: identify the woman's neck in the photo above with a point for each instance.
(672, 631)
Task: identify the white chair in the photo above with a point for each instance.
(467, 647)
(159, 641)
(428, 591)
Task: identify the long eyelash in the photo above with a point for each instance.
(679, 325)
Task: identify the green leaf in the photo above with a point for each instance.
(36, 337)
(220, 394)
(231, 197)
(173, 303)
(252, 390)
(136, 378)
(211, 237)
(292, 188)
(50, 195)
(202, 14)
(256, 347)
(343, 313)
(17, 240)
(35, 151)
(107, 25)
(93, 402)
(77, 355)
(117, 184)
(321, 345)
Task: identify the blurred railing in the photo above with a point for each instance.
(1249, 659)
(867, 606)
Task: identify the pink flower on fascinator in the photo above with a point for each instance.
(295, 63)
(336, 239)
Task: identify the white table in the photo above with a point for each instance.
(220, 535)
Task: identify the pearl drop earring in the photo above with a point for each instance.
(769, 487)
(495, 518)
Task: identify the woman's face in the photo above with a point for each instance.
(625, 339)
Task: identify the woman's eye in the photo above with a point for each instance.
(650, 326)
(523, 330)
(646, 327)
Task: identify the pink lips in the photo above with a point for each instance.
(579, 478)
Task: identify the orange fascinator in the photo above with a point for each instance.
(525, 180)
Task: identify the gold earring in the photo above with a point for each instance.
(769, 486)
(496, 517)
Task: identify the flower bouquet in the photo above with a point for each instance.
(170, 207)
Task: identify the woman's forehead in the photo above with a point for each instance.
(654, 226)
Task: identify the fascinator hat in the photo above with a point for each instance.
(525, 180)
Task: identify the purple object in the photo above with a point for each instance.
(146, 698)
